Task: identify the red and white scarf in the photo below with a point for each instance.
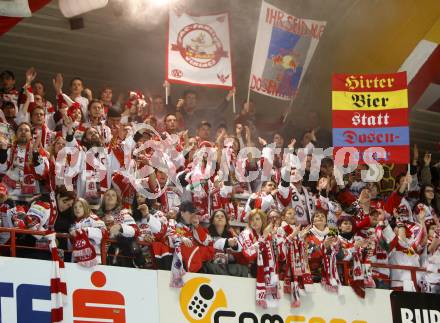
(368, 274)
(357, 280)
(45, 135)
(330, 278)
(19, 169)
(177, 270)
(297, 271)
(267, 288)
(96, 177)
(58, 288)
(83, 251)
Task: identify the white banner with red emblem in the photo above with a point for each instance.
(283, 50)
(199, 50)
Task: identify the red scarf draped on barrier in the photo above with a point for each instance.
(58, 288)
(330, 278)
(297, 271)
(267, 279)
(83, 251)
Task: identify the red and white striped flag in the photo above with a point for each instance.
(58, 288)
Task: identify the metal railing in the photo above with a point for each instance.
(13, 246)
(13, 238)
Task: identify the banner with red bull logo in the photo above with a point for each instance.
(199, 50)
(283, 50)
(370, 111)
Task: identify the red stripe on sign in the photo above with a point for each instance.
(427, 74)
(370, 119)
(394, 154)
(369, 82)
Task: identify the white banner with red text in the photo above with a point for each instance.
(283, 50)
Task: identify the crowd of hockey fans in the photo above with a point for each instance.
(137, 175)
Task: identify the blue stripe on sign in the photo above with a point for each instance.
(361, 137)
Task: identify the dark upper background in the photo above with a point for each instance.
(128, 51)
